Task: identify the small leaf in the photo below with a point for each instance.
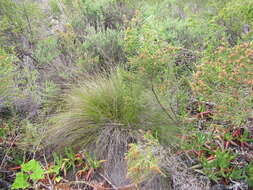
(20, 181)
(37, 174)
(30, 166)
(236, 174)
(58, 179)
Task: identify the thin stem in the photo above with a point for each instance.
(162, 107)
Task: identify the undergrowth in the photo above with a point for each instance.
(72, 72)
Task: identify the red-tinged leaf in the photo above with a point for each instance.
(236, 133)
(244, 144)
(226, 181)
(196, 152)
(78, 155)
(212, 157)
(16, 168)
(180, 152)
(183, 137)
(53, 177)
(44, 181)
(80, 173)
(226, 144)
(203, 114)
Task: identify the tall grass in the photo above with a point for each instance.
(97, 103)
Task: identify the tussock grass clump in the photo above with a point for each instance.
(97, 103)
(107, 100)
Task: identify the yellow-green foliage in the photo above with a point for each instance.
(46, 50)
(20, 18)
(225, 78)
(237, 12)
(158, 43)
(148, 55)
(142, 161)
(103, 50)
(6, 74)
(82, 14)
(142, 35)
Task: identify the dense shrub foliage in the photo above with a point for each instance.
(6, 71)
(172, 77)
(225, 78)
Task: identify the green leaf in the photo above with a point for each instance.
(237, 174)
(2, 132)
(37, 174)
(54, 169)
(30, 166)
(223, 159)
(20, 181)
(36, 169)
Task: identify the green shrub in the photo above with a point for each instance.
(221, 166)
(50, 99)
(225, 78)
(30, 171)
(234, 17)
(100, 15)
(156, 64)
(103, 50)
(19, 19)
(141, 35)
(46, 50)
(202, 24)
(7, 69)
(55, 7)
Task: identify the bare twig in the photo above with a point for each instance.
(126, 187)
(107, 180)
(39, 143)
(26, 53)
(162, 107)
(28, 20)
(8, 150)
(90, 184)
(48, 177)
